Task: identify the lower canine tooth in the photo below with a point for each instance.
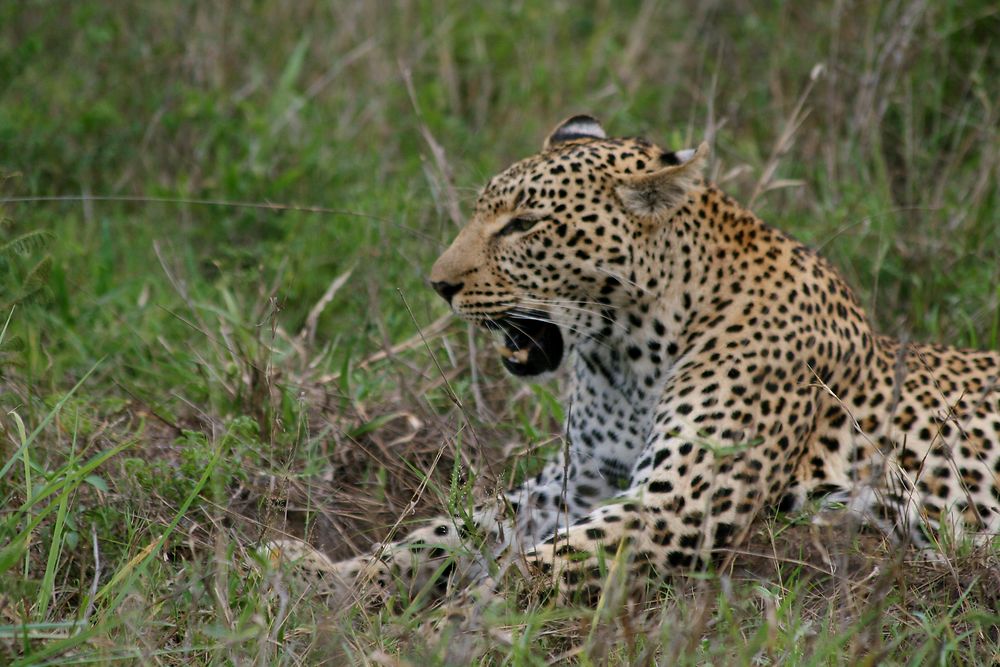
(504, 351)
(520, 356)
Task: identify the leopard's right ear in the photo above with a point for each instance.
(575, 127)
(653, 195)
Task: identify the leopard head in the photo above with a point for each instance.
(551, 248)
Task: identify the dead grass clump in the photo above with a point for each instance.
(381, 466)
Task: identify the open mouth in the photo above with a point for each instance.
(530, 346)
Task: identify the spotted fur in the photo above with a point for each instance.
(718, 368)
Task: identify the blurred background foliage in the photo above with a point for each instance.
(891, 162)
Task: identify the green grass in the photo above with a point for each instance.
(155, 356)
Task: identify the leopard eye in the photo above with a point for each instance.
(517, 225)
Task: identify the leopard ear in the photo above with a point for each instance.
(657, 194)
(575, 127)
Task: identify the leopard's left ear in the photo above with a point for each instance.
(657, 194)
(575, 127)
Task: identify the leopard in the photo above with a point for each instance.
(714, 369)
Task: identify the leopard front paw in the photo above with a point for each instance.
(361, 580)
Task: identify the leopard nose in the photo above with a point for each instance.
(447, 290)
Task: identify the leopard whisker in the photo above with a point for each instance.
(610, 320)
(582, 302)
(527, 315)
(622, 278)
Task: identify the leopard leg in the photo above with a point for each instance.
(432, 552)
(693, 494)
(448, 547)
